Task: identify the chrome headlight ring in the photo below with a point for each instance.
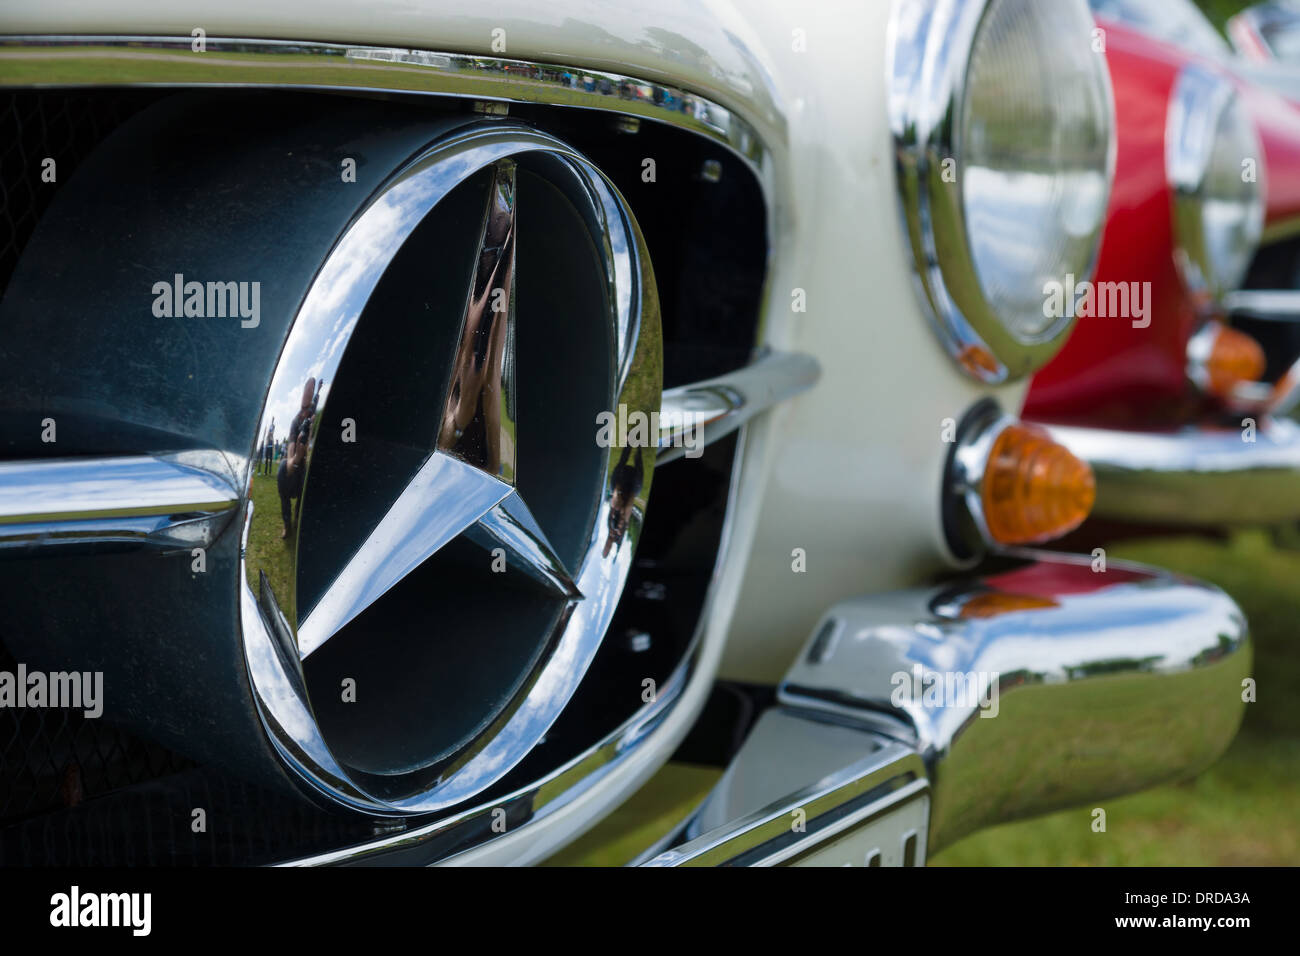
(1218, 209)
(974, 231)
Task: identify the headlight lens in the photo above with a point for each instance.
(1214, 163)
(1004, 131)
(1035, 139)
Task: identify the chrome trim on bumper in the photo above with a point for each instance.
(1077, 685)
(171, 501)
(860, 783)
(1197, 476)
(718, 406)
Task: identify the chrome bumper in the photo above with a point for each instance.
(912, 719)
(1193, 477)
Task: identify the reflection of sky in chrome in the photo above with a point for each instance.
(912, 23)
(617, 229)
(1129, 622)
(280, 702)
(77, 486)
(1080, 633)
(1027, 228)
(1164, 627)
(339, 294)
(337, 297)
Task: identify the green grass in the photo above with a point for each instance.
(266, 550)
(1244, 810)
(649, 814)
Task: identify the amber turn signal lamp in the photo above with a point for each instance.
(1234, 358)
(1034, 489)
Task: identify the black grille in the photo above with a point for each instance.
(64, 127)
(52, 759)
(156, 824)
(56, 758)
(79, 791)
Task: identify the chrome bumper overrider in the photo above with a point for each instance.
(1039, 687)
(1197, 476)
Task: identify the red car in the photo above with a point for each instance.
(1177, 376)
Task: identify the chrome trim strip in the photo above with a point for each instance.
(1272, 305)
(142, 61)
(801, 790)
(698, 414)
(165, 501)
(1198, 476)
(996, 674)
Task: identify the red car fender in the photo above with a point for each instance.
(1120, 372)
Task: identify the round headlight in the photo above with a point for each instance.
(1004, 131)
(1214, 163)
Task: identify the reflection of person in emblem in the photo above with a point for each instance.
(268, 450)
(288, 480)
(471, 422)
(626, 485)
